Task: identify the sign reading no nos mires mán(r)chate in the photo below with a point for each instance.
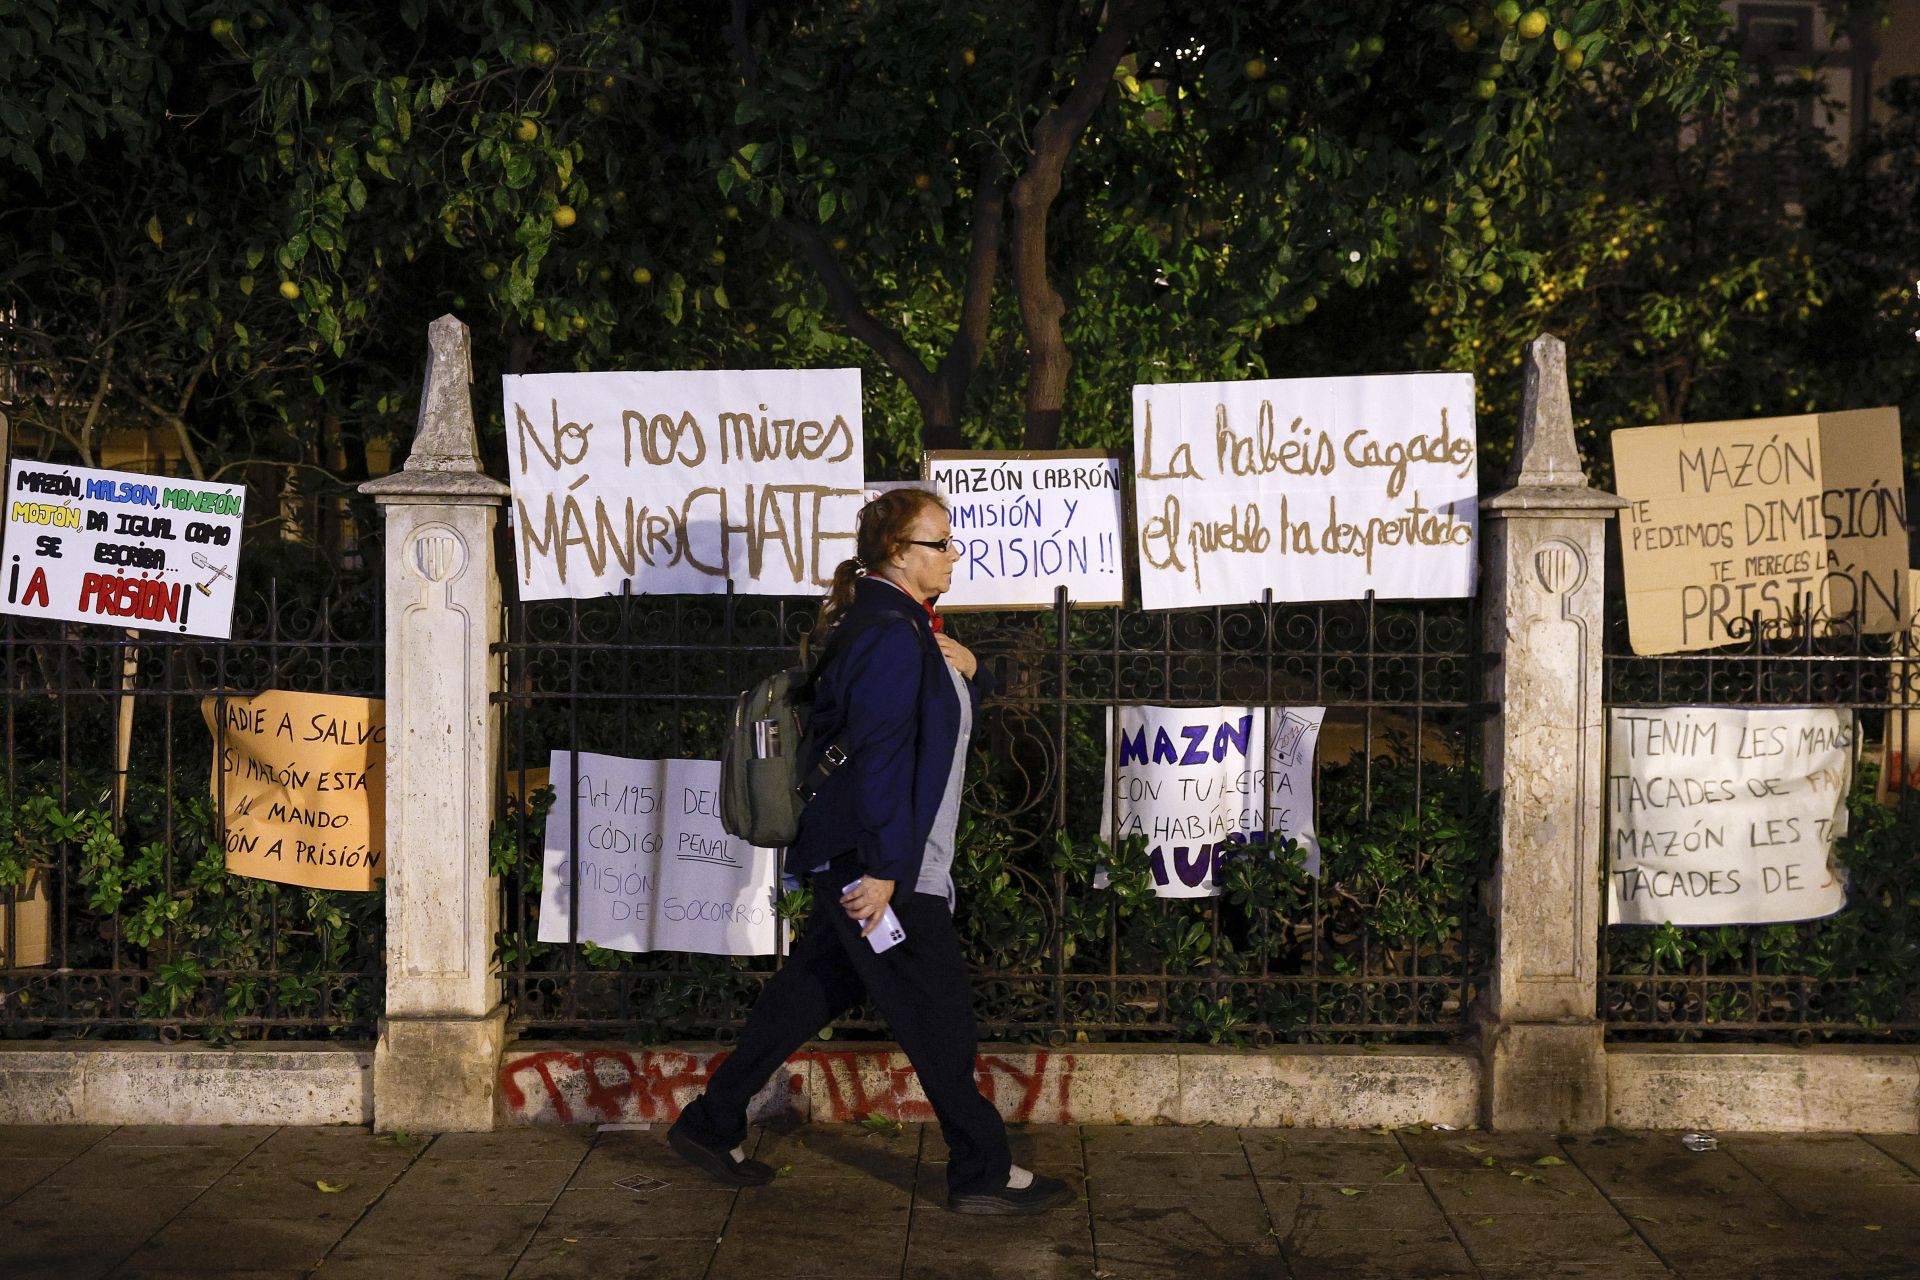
(683, 481)
(128, 551)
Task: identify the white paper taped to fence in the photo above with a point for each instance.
(1321, 488)
(1188, 780)
(683, 481)
(1722, 815)
(657, 872)
(1030, 523)
(122, 550)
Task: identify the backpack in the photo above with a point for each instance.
(761, 790)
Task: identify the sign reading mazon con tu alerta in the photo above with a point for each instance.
(124, 550)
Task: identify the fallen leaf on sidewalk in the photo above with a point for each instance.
(1398, 1169)
(1871, 1226)
(1484, 1222)
(885, 1126)
(1487, 1161)
(331, 1188)
(1548, 1162)
(1641, 1217)
(783, 1171)
(1352, 1191)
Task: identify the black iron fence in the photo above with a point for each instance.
(1389, 942)
(1854, 976)
(117, 916)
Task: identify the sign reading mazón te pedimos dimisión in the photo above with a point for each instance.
(123, 550)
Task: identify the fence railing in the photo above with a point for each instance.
(113, 863)
(1388, 942)
(1851, 977)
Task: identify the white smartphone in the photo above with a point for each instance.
(888, 932)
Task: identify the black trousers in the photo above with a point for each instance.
(919, 986)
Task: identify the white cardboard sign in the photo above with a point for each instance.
(122, 550)
(1723, 815)
(1028, 523)
(657, 872)
(1320, 488)
(1188, 779)
(683, 481)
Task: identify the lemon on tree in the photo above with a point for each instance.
(526, 131)
(289, 290)
(564, 216)
(1532, 24)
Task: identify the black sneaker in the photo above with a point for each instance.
(1038, 1196)
(717, 1161)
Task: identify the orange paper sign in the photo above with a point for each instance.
(301, 784)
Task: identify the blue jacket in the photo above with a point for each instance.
(886, 694)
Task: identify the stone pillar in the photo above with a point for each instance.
(436, 1065)
(1544, 598)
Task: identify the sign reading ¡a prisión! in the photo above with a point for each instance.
(1320, 488)
(130, 551)
(683, 481)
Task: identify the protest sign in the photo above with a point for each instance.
(123, 550)
(1783, 517)
(24, 920)
(1320, 488)
(301, 781)
(683, 481)
(657, 872)
(1900, 740)
(1722, 815)
(1864, 504)
(1027, 523)
(1189, 781)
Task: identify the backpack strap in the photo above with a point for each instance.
(835, 754)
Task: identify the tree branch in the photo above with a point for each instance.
(861, 324)
(1041, 307)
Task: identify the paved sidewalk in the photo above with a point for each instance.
(340, 1204)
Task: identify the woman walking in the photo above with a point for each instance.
(899, 697)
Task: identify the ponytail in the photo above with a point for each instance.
(839, 596)
(879, 534)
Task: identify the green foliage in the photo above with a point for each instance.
(222, 951)
(1861, 961)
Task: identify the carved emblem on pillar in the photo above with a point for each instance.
(437, 552)
(1561, 566)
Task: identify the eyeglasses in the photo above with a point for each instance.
(940, 545)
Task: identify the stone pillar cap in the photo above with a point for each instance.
(1547, 473)
(445, 458)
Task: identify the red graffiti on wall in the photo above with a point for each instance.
(612, 1085)
(606, 1085)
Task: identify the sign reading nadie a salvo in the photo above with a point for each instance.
(149, 553)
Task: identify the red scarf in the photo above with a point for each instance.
(934, 620)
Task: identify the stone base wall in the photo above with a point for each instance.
(1309, 1087)
(110, 1083)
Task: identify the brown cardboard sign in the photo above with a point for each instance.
(24, 912)
(1799, 520)
(1865, 505)
(1900, 741)
(301, 782)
